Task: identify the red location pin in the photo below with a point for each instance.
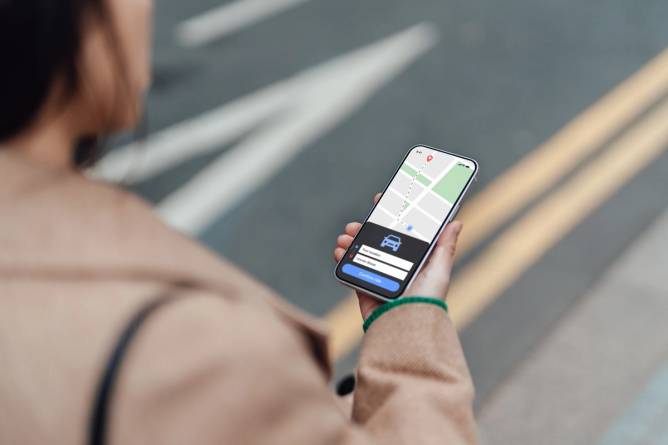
(429, 158)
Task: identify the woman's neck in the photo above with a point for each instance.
(50, 142)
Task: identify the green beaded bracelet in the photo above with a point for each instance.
(388, 306)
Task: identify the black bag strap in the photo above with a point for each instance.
(98, 426)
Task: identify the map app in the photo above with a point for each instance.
(397, 235)
(422, 194)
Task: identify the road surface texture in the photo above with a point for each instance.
(273, 122)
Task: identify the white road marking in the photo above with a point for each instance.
(227, 19)
(301, 108)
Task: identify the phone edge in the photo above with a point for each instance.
(449, 219)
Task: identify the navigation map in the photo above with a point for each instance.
(422, 194)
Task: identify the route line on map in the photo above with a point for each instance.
(418, 172)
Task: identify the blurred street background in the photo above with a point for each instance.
(273, 122)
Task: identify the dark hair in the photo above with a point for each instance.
(41, 41)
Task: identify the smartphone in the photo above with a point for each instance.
(397, 237)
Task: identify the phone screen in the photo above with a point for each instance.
(417, 203)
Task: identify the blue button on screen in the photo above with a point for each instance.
(370, 277)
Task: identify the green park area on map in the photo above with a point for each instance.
(421, 178)
(452, 184)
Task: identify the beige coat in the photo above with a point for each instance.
(230, 363)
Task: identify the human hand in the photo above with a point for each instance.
(433, 279)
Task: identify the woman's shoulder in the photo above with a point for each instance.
(86, 229)
(63, 219)
(27, 182)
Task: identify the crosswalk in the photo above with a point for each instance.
(278, 122)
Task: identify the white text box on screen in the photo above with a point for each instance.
(380, 267)
(386, 257)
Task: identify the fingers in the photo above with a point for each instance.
(344, 240)
(338, 253)
(352, 228)
(342, 244)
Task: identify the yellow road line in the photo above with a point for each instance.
(533, 235)
(543, 167)
(532, 176)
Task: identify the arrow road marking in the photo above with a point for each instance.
(227, 19)
(287, 116)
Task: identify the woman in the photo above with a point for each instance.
(116, 329)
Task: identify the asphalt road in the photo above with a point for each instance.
(491, 80)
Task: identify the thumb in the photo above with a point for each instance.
(443, 256)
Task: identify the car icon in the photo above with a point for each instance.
(391, 241)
